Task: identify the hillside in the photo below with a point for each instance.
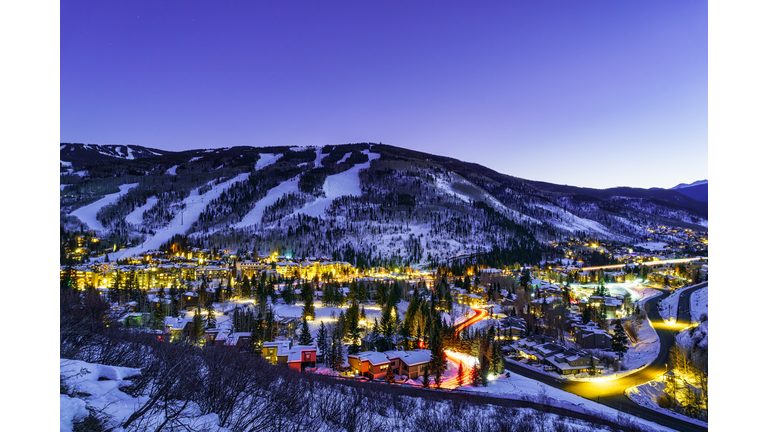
(365, 203)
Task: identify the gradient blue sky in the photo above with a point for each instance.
(586, 93)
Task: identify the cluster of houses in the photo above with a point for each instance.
(375, 365)
(157, 269)
(565, 361)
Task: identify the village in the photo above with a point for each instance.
(559, 318)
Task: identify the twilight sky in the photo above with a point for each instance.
(589, 93)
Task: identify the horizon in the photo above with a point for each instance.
(381, 143)
(594, 94)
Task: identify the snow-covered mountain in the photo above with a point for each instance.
(363, 203)
(698, 190)
(687, 185)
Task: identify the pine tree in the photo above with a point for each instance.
(210, 318)
(322, 343)
(353, 327)
(309, 309)
(198, 330)
(475, 377)
(460, 375)
(158, 318)
(305, 338)
(426, 375)
(620, 340)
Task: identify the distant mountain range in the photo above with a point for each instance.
(362, 202)
(698, 190)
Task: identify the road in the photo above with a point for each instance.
(611, 392)
(479, 315)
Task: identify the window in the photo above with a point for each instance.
(384, 367)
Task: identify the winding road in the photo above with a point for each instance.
(611, 392)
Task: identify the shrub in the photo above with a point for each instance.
(665, 401)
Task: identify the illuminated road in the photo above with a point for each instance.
(611, 392)
(463, 379)
(480, 314)
(647, 263)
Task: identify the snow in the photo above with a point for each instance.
(254, 216)
(519, 387)
(196, 158)
(65, 163)
(195, 204)
(570, 222)
(319, 157)
(61, 147)
(266, 159)
(99, 389)
(346, 156)
(171, 170)
(647, 395)
(346, 183)
(87, 214)
(699, 304)
(136, 217)
(130, 153)
(653, 246)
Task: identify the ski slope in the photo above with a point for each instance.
(266, 159)
(338, 185)
(87, 214)
(195, 204)
(136, 217)
(254, 216)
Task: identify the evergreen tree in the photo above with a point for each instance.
(426, 375)
(198, 329)
(158, 318)
(353, 327)
(305, 338)
(475, 377)
(210, 318)
(322, 343)
(460, 375)
(620, 341)
(439, 360)
(309, 309)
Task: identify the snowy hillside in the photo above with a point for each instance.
(361, 202)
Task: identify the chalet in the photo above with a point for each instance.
(297, 357)
(370, 364)
(572, 362)
(409, 363)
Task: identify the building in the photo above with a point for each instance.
(409, 363)
(299, 357)
(369, 364)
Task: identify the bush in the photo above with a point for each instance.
(665, 401)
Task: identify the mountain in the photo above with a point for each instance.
(698, 190)
(365, 203)
(687, 185)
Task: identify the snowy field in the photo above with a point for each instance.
(87, 214)
(653, 246)
(195, 205)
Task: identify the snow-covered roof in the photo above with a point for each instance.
(375, 358)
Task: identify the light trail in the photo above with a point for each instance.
(480, 314)
(647, 263)
(462, 379)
